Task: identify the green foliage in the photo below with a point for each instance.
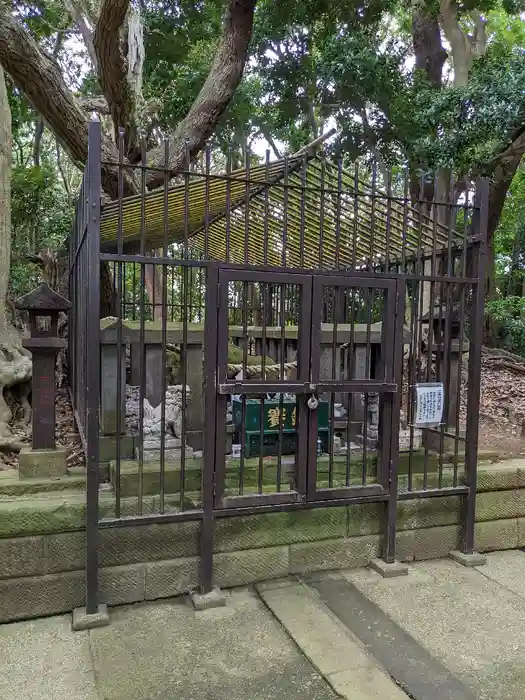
(507, 320)
(42, 214)
(464, 127)
(509, 240)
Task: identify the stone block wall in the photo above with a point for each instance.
(42, 544)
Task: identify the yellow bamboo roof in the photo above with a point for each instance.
(303, 211)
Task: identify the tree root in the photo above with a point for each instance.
(15, 369)
(13, 444)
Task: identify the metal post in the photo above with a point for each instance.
(478, 253)
(93, 193)
(210, 398)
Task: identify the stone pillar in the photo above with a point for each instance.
(357, 365)
(152, 370)
(451, 407)
(109, 403)
(134, 362)
(195, 406)
(153, 390)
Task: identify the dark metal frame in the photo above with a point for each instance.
(443, 272)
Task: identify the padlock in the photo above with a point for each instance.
(313, 402)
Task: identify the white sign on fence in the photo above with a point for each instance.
(429, 403)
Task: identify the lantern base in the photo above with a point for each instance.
(42, 463)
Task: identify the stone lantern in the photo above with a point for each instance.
(43, 459)
(441, 317)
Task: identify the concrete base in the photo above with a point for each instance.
(386, 570)
(84, 621)
(205, 601)
(468, 560)
(42, 463)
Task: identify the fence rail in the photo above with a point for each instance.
(212, 276)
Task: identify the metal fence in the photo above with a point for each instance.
(269, 332)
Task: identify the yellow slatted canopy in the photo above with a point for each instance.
(303, 211)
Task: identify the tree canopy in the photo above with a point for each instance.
(428, 84)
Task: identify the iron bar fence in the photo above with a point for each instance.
(269, 329)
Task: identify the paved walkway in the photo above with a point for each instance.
(161, 651)
(443, 632)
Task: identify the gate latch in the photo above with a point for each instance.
(313, 402)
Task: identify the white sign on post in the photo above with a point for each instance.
(429, 403)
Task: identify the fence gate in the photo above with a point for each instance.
(308, 374)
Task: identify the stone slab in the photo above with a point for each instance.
(22, 556)
(333, 554)
(42, 464)
(165, 579)
(129, 477)
(120, 546)
(171, 454)
(12, 486)
(329, 645)
(41, 514)
(236, 652)
(239, 568)
(500, 505)
(272, 529)
(405, 660)
(495, 535)
(501, 476)
(430, 543)
(43, 660)
(107, 445)
(122, 584)
(41, 595)
(472, 623)
(507, 569)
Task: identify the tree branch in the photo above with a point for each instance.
(480, 33)
(113, 67)
(79, 19)
(39, 77)
(95, 103)
(459, 44)
(37, 143)
(215, 95)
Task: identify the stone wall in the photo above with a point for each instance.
(42, 548)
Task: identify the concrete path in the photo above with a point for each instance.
(471, 620)
(161, 651)
(443, 632)
(330, 645)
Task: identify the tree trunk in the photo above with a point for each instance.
(15, 363)
(153, 279)
(108, 295)
(426, 41)
(5, 196)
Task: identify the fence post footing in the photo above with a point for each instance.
(205, 601)
(469, 560)
(386, 570)
(85, 621)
